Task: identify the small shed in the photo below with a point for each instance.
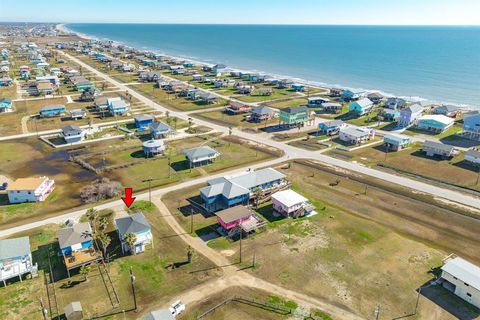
(73, 311)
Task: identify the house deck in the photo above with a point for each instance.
(16, 270)
(79, 258)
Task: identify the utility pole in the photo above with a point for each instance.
(377, 312)
(418, 300)
(254, 258)
(132, 280)
(149, 180)
(44, 311)
(241, 236)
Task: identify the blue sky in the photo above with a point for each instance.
(397, 12)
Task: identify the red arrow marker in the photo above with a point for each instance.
(128, 199)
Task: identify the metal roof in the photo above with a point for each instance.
(463, 270)
(203, 151)
(289, 198)
(438, 145)
(17, 247)
(159, 126)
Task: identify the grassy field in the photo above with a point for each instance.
(413, 161)
(287, 103)
(331, 254)
(172, 101)
(155, 282)
(450, 132)
(30, 157)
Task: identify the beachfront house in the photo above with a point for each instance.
(435, 123)
(438, 149)
(219, 69)
(15, 259)
(361, 107)
(72, 134)
(472, 156)
(297, 87)
(159, 130)
(356, 135)
(6, 105)
(143, 121)
(238, 219)
(262, 113)
(349, 95)
(396, 142)
(471, 126)
(447, 110)
(117, 106)
(294, 115)
(230, 191)
(375, 97)
(462, 278)
(315, 102)
(76, 246)
(30, 189)
(138, 225)
(395, 103)
(410, 114)
(237, 107)
(288, 203)
(52, 111)
(200, 156)
(331, 127)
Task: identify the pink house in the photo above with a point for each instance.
(233, 217)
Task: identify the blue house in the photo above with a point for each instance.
(143, 121)
(99, 55)
(188, 65)
(361, 107)
(6, 81)
(471, 126)
(6, 105)
(390, 114)
(52, 111)
(317, 101)
(138, 225)
(117, 106)
(409, 115)
(159, 130)
(349, 95)
(298, 87)
(228, 191)
(331, 127)
(76, 246)
(396, 142)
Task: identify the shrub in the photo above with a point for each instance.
(100, 189)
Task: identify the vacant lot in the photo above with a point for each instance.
(413, 161)
(332, 254)
(238, 120)
(155, 282)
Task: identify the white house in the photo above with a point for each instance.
(291, 204)
(356, 135)
(30, 189)
(463, 279)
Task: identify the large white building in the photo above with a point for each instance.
(462, 278)
(30, 189)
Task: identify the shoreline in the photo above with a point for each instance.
(313, 84)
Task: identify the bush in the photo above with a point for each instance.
(100, 189)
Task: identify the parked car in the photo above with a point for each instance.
(177, 308)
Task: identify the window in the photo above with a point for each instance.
(466, 284)
(469, 295)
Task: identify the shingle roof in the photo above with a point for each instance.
(233, 214)
(295, 109)
(414, 108)
(143, 117)
(71, 129)
(464, 270)
(134, 223)
(79, 233)
(261, 110)
(17, 247)
(159, 126)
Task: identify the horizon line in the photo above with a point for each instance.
(249, 24)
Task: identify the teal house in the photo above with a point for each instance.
(361, 107)
(6, 105)
(294, 115)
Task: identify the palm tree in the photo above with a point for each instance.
(167, 114)
(105, 240)
(92, 215)
(102, 224)
(130, 239)
(257, 194)
(84, 271)
(190, 121)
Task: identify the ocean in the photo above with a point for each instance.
(438, 63)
